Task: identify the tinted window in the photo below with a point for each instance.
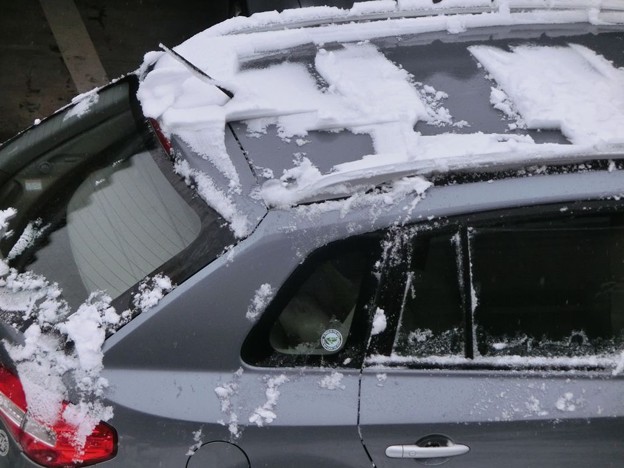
(320, 316)
(488, 296)
(431, 318)
(550, 290)
(99, 206)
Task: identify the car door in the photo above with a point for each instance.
(503, 345)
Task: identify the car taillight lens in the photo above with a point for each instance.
(164, 141)
(50, 446)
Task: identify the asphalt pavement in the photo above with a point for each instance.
(52, 50)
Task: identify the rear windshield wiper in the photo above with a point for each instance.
(199, 73)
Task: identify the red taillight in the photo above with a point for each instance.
(164, 141)
(51, 446)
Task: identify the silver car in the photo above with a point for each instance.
(329, 238)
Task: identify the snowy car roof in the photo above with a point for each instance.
(338, 106)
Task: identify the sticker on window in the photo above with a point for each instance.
(331, 340)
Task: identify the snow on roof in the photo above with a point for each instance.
(352, 86)
(572, 89)
(376, 9)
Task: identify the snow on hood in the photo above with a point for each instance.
(356, 88)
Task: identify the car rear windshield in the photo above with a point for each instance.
(99, 207)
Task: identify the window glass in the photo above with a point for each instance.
(317, 319)
(555, 289)
(431, 317)
(99, 206)
(125, 221)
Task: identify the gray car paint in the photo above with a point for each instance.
(496, 414)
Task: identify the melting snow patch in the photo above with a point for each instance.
(379, 322)
(534, 407)
(199, 441)
(381, 379)
(151, 291)
(261, 298)
(216, 198)
(585, 101)
(265, 414)
(567, 402)
(226, 393)
(332, 381)
(83, 103)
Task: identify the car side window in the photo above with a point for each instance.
(535, 291)
(317, 319)
(552, 290)
(319, 316)
(431, 317)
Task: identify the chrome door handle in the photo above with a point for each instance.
(415, 451)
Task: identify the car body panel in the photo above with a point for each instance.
(252, 208)
(516, 418)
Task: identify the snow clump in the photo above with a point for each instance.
(151, 291)
(585, 102)
(265, 414)
(43, 362)
(332, 381)
(261, 298)
(199, 441)
(226, 393)
(379, 322)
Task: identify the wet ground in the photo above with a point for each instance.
(51, 50)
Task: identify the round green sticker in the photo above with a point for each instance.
(331, 339)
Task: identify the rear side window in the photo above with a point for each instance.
(320, 316)
(317, 319)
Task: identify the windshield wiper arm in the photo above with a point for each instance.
(199, 73)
